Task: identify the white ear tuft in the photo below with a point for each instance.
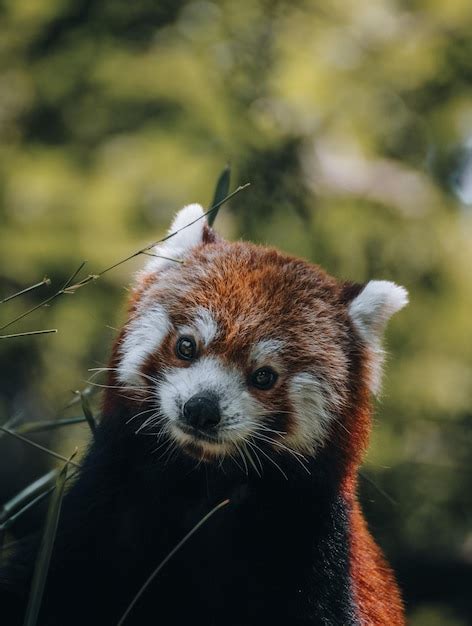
(370, 312)
(188, 225)
(187, 215)
(374, 306)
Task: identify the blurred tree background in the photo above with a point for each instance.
(352, 120)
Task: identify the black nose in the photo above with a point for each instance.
(202, 411)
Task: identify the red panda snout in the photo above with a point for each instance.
(224, 387)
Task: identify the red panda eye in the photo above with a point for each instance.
(264, 378)
(186, 348)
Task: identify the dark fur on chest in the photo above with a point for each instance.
(276, 554)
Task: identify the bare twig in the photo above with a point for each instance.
(45, 281)
(88, 391)
(69, 288)
(36, 445)
(39, 498)
(29, 493)
(166, 258)
(42, 425)
(146, 249)
(61, 291)
(181, 543)
(48, 331)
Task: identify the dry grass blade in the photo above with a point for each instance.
(221, 191)
(88, 412)
(39, 498)
(26, 495)
(88, 391)
(45, 281)
(181, 543)
(70, 288)
(40, 426)
(58, 293)
(149, 247)
(29, 333)
(387, 496)
(45, 549)
(166, 258)
(36, 445)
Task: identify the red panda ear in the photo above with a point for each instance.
(370, 311)
(191, 230)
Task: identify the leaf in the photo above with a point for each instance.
(221, 191)
(45, 549)
(92, 422)
(27, 494)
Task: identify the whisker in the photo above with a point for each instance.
(250, 459)
(279, 444)
(171, 445)
(99, 370)
(296, 455)
(153, 420)
(138, 414)
(271, 460)
(125, 388)
(234, 461)
(272, 430)
(243, 458)
(161, 445)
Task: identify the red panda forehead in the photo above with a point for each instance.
(254, 274)
(255, 294)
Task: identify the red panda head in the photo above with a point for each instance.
(241, 350)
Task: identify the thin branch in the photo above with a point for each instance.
(166, 258)
(29, 493)
(382, 491)
(37, 445)
(181, 543)
(61, 291)
(45, 281)
(8, 523)
(88, 391)
(70, 288)
(48, 331)
(40, 426)
(12, 518)
(92, 277)
(11, 423)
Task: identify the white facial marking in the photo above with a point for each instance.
(208, 374)
(189, 236)
(205, 325)
(314, 404)
(370, 312)
(143, 336)
(265, 350)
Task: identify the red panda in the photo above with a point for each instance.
(241, 373)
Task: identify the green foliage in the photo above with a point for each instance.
(45, 549)
(352, 121)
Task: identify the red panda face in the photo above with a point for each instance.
(243, 348)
